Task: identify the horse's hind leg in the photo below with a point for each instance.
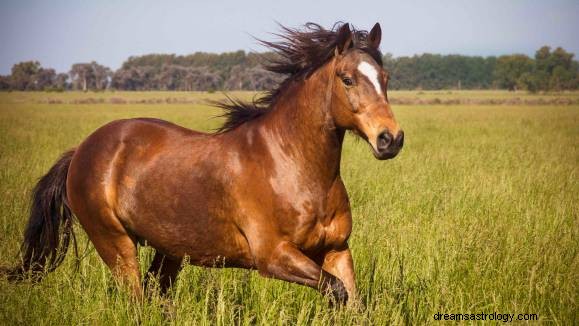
(115, 246)
(166, 269)
(119, 252)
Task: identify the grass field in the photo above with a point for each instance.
(478, 214)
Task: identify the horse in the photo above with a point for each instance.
(262, 192)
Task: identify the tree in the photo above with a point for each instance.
(45, 79)
(200, 71)
(61, 82)
(552, 71)
(129, 79)
(557, 67)
(102, 76)
(81, 76)
(24, 74)
(510, 68)
(4, 83)
(201, 79)
(85, 76)
(254, 78)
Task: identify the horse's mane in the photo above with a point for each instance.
(298, 54)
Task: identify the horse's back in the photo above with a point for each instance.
(99, 149)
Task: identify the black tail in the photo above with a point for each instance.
(49, 228)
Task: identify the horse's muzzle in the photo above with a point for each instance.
(388, 146)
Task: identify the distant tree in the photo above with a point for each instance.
(432, 71)
(529, 81)
(93, 76)
(235, 80)
(23, 75)
(61, 82)
(510, 68)
(4, 83)
(131, 78)
(253, 78)
(559, 67)
(200, 71)
(102, 76)
(551, 71)
(81, 76)
(31, 76)
(172, 77)
(542, 70)
(261, 79)
(201, 79)
(45, 79)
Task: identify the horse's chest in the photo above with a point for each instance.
(323, 222)
(326, 232)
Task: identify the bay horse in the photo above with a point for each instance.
(263, 192)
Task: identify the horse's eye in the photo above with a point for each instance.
(347, 81)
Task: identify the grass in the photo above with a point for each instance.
(478, 214)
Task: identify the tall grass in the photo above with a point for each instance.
(478, 214)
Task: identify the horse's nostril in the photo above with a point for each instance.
(384, 140)
(400, 139)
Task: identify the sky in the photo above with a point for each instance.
(59, 33)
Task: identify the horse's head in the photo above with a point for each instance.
(359, 100)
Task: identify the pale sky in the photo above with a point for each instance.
(59, 33)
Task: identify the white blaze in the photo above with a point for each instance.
(370, 72)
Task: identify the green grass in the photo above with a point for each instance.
(478, 214)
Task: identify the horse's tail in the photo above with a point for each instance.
(49, 228)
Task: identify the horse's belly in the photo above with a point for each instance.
(216, 244)
(204, 240)
(187, 227)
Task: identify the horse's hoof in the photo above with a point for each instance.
(338, 291)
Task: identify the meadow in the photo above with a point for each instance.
(479, 213)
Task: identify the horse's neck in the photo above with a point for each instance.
(301, 125)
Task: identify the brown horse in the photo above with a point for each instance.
(264, 192)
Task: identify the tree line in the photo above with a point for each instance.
(549, 70)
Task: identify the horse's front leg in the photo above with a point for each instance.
(340, 263)
(288, 263)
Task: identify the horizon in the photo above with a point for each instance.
(61, 33)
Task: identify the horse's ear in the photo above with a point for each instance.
(344, 39)
(375, 36)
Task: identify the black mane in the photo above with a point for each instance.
(297, 55)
